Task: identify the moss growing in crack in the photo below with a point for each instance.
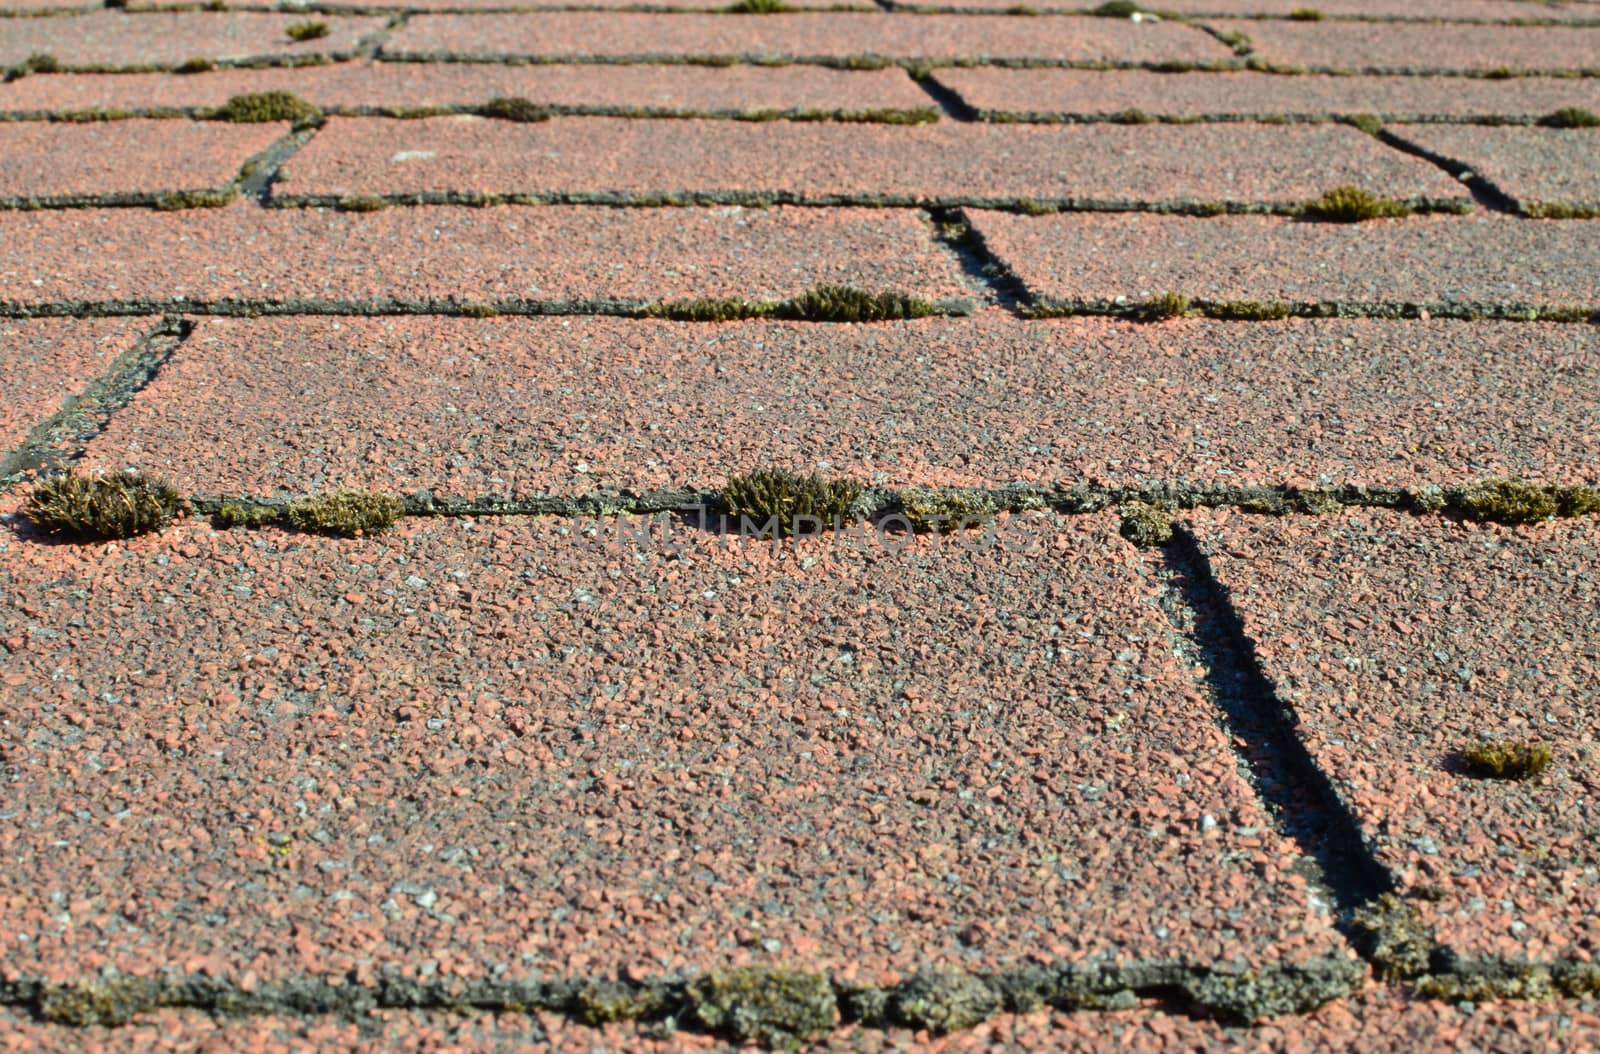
(362, 203)
(1393, 937)
(1505, 760)
(108, 1004)
(942, 1001)
(764, 1004)
(1570, 117)
(709, 310)
(41, 62)
(1239, 42)
(1500, 73)
(843, 303)
(789, 502)
(102, 507)
(1367, 122)
(198, 64)
(1306, 14)
(926, 509)
(1560, 210)
(1147, 526)
(1033, 207)
(1246, 310)
(1568, 314)
(264, 107)
(346, 512)
(757, 7)
(1167, 305)
(1524, 982)
(312, 29)
(1508, 501)
(246, 514)
(1577, 501)
(1118, 9)
(196, 199)
(1352, 205)
(515, 109)
(601, 1002)
(474, 309)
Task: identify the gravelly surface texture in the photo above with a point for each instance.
(597, 757)
(104, 160)
(1486, 259)
(1536, 167)
(523, 407)
(833, 35)
(460, 255)
(821, 162)
(122, 41)
(1400, 641)
(46, 361)
(1370, 47)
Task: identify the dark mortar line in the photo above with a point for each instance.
(1483, 191)
(1387, 310)
(1057, 11)
(946, 98)
(249, 62)
(60, 439)
(978, 261)
(1139, 117)
(840, 115)
(1259, 65)
(855, 61)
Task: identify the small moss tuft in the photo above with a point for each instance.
(601, 1002)
(927, 509)
(709, 310)
(1034, 207)
(1132, 117)
(197, 64)
(1147, 526)
(346, 512)
(1306, 14)
(263, 107)
(243, 514)
(310, 30)
(1577, 501)
(843, 303)
(1505, 760)
(765, 1004)
(1559, 210)
(101, 507)
(1247, 310)
(1571, 117)
(1167, 305)
(1118, 9)
(108, 1004)
(196, 199)
(1239, 42)
(943, 1001)
(362, 203)
(476, 309)
(1508, 501)
(785, 499)
(1391, 933)
(515, 109)
(1352, 205)
(41, 62)
(1500, 73)
(1367, 122)
(757, 7)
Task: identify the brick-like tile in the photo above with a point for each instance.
(1384, 46)
(1534, 166)
(1400, 640)
(121, 40)
(115, 159)
(1055, 94)
(46, 361)
(1483, 259)
(680, 88)
(521, 408)
(832, 35)
(599, 159)
(500, 743)
(449, 254)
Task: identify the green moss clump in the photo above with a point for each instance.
(196, 199)
(1367, 122)
(843, 303)
(1499, 73)
(765, 1004)
(346, 512)
(1352, 205)
(1568, 314)
(1118, 9)
(197, 64)
(601, 1002)
(1147, 526)
(1306, 14)
(1247, 310)
(362, 203)
(474, 309)
(245, 514)
(1577, 501)
(927, 509)
(786, 498)
(41, 62)
(1239, 42)
(1506, 760)
(108, 1004)
(102, 507)
(757, 7)
(1167, 305)
(1508, 501)
(1033, 207)
(310, 30)
(515, 109)
(1559, 210)
(709, 310)
(1391, 933)
(1132, 117)
(263, 107)
(942, 1001)
(1571, 117)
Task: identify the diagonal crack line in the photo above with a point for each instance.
(1483, 192)
(1298, 795)
(948, 99)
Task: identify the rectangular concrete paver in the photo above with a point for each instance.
(569, 36)
(1485, 260)
(607, 159)
(122, 160)
(1544, 170)
(1386, 47)
(120, 40)
(1059, 94)
(410, 86)
(522, 408)
(44, 362)
(593, 258)
(528, 751)
(1399, 642)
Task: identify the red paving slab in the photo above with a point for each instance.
(1485, 10)
(1535, 166)
(506, 743)
(404, 85)
(1482, 259)
(527, 407)
(449, 254)
(1399, 640)
(106, 160)
(1374, 47)
(120, 40)
(598, 158)
(1056, 94)
(832, 35)
(44, 361)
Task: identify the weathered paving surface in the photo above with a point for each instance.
(569, 759)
